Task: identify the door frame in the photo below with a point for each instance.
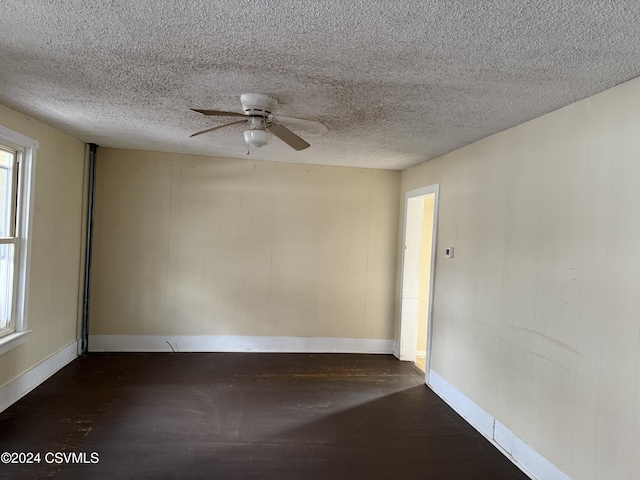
(408, 314)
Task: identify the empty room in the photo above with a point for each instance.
(311, 240)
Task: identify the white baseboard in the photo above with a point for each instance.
(19, 387)
(236, 343)
(513, 447)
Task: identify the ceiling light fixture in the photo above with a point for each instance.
(257, 137)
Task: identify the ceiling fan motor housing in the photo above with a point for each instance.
(257, 104)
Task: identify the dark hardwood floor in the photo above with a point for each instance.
(244, 416)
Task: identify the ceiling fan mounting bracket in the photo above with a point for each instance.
(258, 105)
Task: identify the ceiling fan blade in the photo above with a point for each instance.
(216, 128)
(302, 123)
(218, 113)
(288, 137)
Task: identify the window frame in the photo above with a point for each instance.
(23, 225)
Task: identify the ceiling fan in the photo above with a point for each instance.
(262, 122)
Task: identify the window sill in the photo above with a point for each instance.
(12, 340)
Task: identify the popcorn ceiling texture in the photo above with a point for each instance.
(397, 82)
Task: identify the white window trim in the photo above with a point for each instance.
(26, 187)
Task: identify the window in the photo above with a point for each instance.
(9, 172)
(17, 162)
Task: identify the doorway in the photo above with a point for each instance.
(418, 273)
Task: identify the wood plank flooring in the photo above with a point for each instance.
(245, 416)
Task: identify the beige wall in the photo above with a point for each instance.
(192, 245)
(537, 318)
(56, 245)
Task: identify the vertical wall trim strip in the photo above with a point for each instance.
(93, 152)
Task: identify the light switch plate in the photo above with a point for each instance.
(448, 252)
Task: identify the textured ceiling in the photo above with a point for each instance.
(397, 82)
